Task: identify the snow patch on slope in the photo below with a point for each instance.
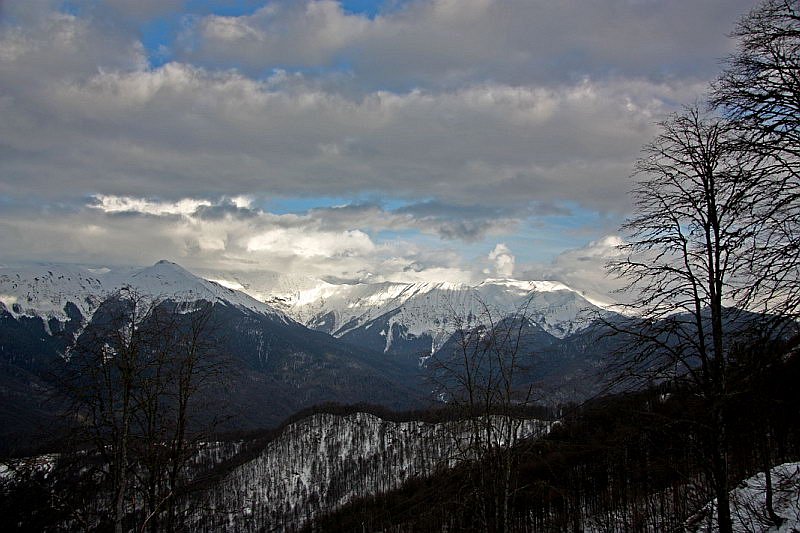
(44, 290)
(748, 504)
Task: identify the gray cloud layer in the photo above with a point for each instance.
(79, 106)
(447, 42)
(480, 115)
(178, 129)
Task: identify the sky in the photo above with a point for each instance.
(355, 140)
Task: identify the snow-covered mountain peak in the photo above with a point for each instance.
(45, 290)
(166, 274)
(530, 287)
(411, 309)
(427, 286)
(433, 309)
(379, 294)
(166, 279)
(526, 286)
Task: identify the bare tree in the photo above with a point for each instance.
(134, 377)
(714, 248)
(484, 375)
(105, 370)
(196, 366)
(759, 91)
(686, 267)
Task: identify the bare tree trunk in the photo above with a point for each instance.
(122, 483)
(768, 491)
(720, 473)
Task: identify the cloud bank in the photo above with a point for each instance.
(415, 140)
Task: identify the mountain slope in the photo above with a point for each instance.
(172, 281)
(321, 462)
(382, 333)
(274, 366)
(44, 290)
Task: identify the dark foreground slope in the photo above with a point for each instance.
(274, 480)
(625, 462)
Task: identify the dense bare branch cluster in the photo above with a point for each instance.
(759, 92)
(133, 380)
(713, 249)
(485, 376)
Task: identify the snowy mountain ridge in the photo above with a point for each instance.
(45, 290)
(436, 310)
(390, 312)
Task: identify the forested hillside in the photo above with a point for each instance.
(315, 463)
(631, 462)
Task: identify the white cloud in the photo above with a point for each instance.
(220, 235)
(123, 204)
(301, 242)
(503, 260)
(584, 269)
(302, 33)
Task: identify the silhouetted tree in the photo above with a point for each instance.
(685, 263)
(485, 377)
(133, 381)
(759, 91)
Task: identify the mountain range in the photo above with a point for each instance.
(402, 318)
(296, 344)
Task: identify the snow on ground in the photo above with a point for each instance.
(324, 461)
(748, 504)
(10, 469)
